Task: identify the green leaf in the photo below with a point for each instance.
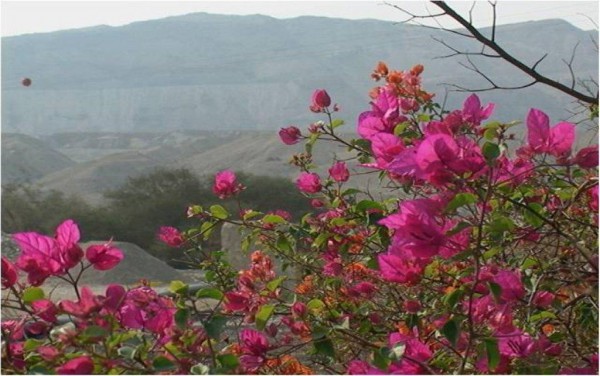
(324, 346)
(39, 369)
(490, 151)
(95, 331)
(381, 358)
(530, 214)
(178, 287)
(315, 305)
(274, 284)
(219, 212)
(459, 200)
(284, 244)
(351, 191)
(492, 125)
(492, 352)
(528, 263)
(215, 326)
(126, 352)
(250, 214)
(228, 361)
(321, 239)
(452, 298)
(263, 315)
(336, 123)
(273, 219)
(200, 369)
(181, 318)
(32, 344)
(400, 128)
(209, 293)
(162, 363)
(490, 134)
(31, 294)
(542, 316)
(194, 210)
(501, 224)
(451, 330)
(206, 229)
(458, 228)
(397, 351)
(496, 290)
(365, 205)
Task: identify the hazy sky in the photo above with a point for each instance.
(22, 17)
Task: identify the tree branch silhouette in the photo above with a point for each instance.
(472, 32)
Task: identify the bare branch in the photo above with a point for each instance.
(511, 59)
(493, 86)
(570, 65)
(471, 12)
(493, 4)
(413, 20)
(589, 19)
(534, 66)
(458, 52)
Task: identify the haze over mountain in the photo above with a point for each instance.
(214, 72)
(208, 92)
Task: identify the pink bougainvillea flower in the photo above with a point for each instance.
(543, 299)
(9, 273)
(67, 236)
(411, 306)
(39, 257)
(512, 172)
(45, 309)
(86, 305)
(254, 347)
(473, 112)
(48, 353)
(415, 352)
(385, 148)
(226, 184)
(42, 256)
(170, 236)
(416, 228)
(115, 296)
(143, 308)
(299, 309)
(83, 365)
(516, 344)
(359, 367)
(290, 135)
(383, 117)
(319, 100)
(254, 342)
(556, 141)
(511, 285)
(503, 366)
(309, 182)
(339, 172)
(103, 257)
(397, 268)
(587, 157)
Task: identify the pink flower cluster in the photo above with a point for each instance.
(226, 184)
(251, 292)
(42, 256)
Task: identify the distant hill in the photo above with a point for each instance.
(259, 153)
(213, 72)
(26, 159)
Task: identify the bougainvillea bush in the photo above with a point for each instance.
(482, 258)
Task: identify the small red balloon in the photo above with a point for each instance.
(26, 81)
